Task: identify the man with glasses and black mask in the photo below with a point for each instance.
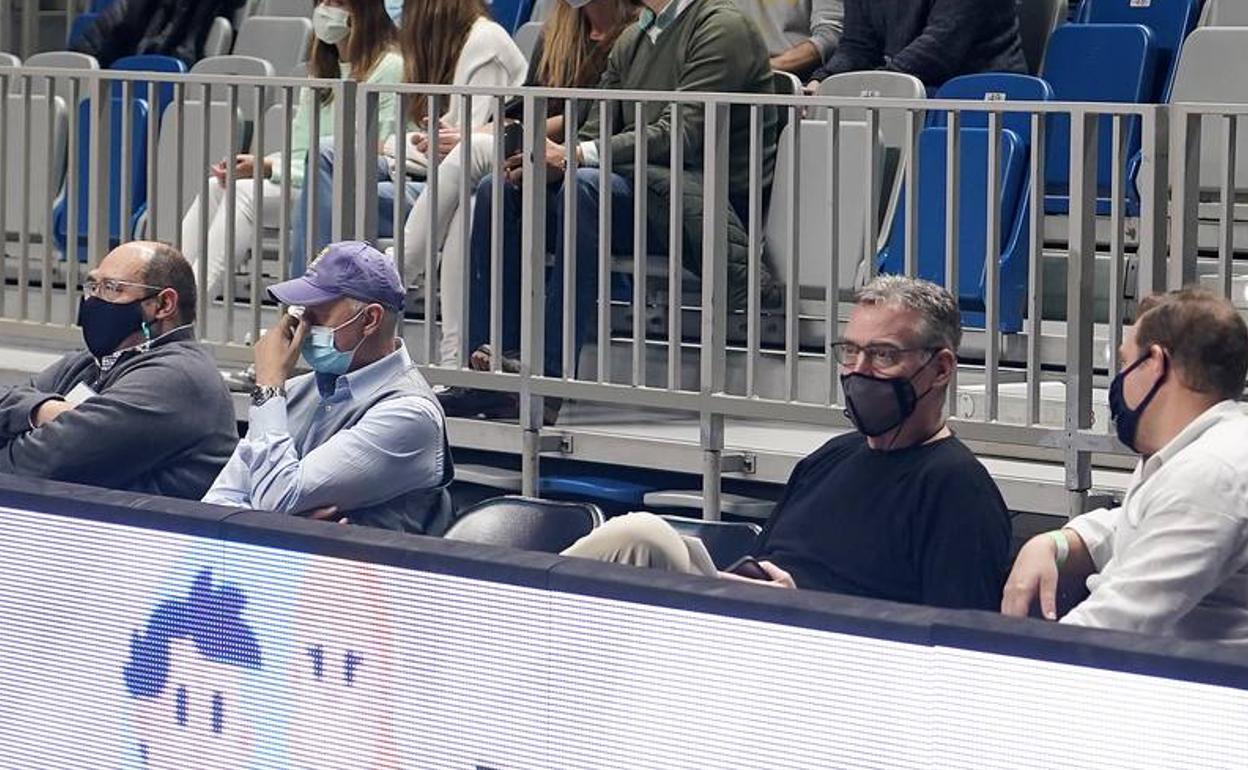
(898, 510)
(144, 407)
(1172, 559)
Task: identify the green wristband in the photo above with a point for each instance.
(1063, 546)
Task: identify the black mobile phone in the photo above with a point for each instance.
(748, 567)
(513, 139)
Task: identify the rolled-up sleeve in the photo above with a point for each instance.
(1096, 529)
(827, 21)
(395, 448)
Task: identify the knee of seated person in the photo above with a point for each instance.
(637, 539)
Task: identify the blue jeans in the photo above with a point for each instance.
(587, 195)
(323, 226)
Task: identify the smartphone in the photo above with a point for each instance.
(748, 567)
(513, 139)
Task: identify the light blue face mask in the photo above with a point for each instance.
(395, 9)
(320, 352)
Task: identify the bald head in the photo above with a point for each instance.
(159, 266)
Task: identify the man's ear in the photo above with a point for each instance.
(167, 304)
(374, 316)
(946, 364)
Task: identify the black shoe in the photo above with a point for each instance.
(491, 405)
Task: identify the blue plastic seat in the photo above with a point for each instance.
(621, 492)
(79, 26)
(1095, 63)
(1170, 22)
(510, 14)
(138, 179)
(150, 63)
(1011, 251)
(993, 86)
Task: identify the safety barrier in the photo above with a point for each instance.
(858, 184)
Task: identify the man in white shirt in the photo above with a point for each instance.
(1173, 558)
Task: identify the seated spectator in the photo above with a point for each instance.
(354, 39)
(1173, 558)
(144, 407)
(443, 42)
(360, 437)
(899, 510)
(166, 27)
(800, 35)
(678, 45)
(934, 40)
(580, 38)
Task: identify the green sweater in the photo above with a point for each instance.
(388, 70)
(710, 47)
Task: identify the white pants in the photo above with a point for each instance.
(448, 238)
(244, 227)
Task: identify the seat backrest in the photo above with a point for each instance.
(149, 63)
(1096, 63)
(67, 60)
(282, 41)
(995, 87)
(81, 23)
(510, 14)
(877, 85)
(170, 206)
(230, 64)
(972, 210)
(814, 257)
(785, 83)
(10, 60)
(1224, 13)
(46, 147)
(289, 8)
(526, 38)
(1170, 22)
(220, 37)
(1208, 54)
(1036, 21)
(524, 522)
(725, 541)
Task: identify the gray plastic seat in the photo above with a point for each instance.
(1224, 13)
(528, 523)
(280, 40)
(288, 8)
(526, 36)
(220, 38)
(44, 137)
(1036, 21)
(786, 83)
(1209, 53)
(66, 60)
(242, 66)
(725, 541)
(10, 60)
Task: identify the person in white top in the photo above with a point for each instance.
(1172, 559)
(443, 42)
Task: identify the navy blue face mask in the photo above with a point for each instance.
(1127, 420)
(106, 324)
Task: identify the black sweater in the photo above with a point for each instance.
(924, 525)
(934, 40)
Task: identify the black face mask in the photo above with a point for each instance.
(1127, 420)
(106, 324)
(876, 405)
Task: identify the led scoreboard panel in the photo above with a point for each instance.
(217, 640)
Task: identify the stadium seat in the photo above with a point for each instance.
(150, 63)
(1170, 22)
(68, 60)
(1036, 21)
(525, 522)
(243, 66)
(171, 207)
(973, 251)
(617, 491)
(526, 38)
(1201, 78)
(725, 541)
(281, 41)
(220, 37)
(81, 23)
(1095, 63)
(44, 136)
(288, 8)
(732, 504)
(138, 179)
(1224, 13)
(813, 261)
(10, 60)
(786, 83)
(1000, 86)
(510, 13)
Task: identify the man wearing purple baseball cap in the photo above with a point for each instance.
(360, 438)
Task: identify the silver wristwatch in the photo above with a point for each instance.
(262, 393)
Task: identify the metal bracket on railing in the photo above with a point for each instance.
(556, 442)
(745, 462)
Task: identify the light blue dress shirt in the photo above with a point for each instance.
(296, 459)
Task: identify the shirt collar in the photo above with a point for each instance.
(1218, 413)
(173, 335)
(366, 379)
(653, 24)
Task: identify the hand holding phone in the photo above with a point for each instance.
(513, 139)
(748, 567)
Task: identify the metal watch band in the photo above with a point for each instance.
(262, 393)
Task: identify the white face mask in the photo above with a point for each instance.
(331, 24)
(578, 3)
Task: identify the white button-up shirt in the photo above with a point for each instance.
(1173, 558)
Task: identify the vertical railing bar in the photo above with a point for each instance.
(832, 295)
(792, 289)
(99, 156)
(400, 165)
(1035, 267)
(313, 162)
(1080, 293)
(992, 263)
(127, 151)
(432, 182)
(640, 247)
(231, 205)
(714, 300)
(1116, 250)
(179, 176)
(205, 139)
(465, 227)
(675, 249)
(953, 192)
(154, 116)
(23, 265)
(753, 320)
(72, 183)
(6, 137)
(1185, 194)
(568, 351)
(533, 288)
(496, 248)
(257, 196)
(1154, 184)
(604, 244)
(872, 231)
(1226, 216)
(49, 193)
(283, 229)
(913, 126)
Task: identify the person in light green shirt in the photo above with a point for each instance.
(354, 39)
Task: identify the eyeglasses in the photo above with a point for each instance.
(881, 356)
(111, 289)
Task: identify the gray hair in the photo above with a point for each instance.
(941, 321)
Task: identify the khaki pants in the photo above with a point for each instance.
(638, 540)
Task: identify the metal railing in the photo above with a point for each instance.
(673, 330)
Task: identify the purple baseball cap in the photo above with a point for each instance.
(348, 269)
